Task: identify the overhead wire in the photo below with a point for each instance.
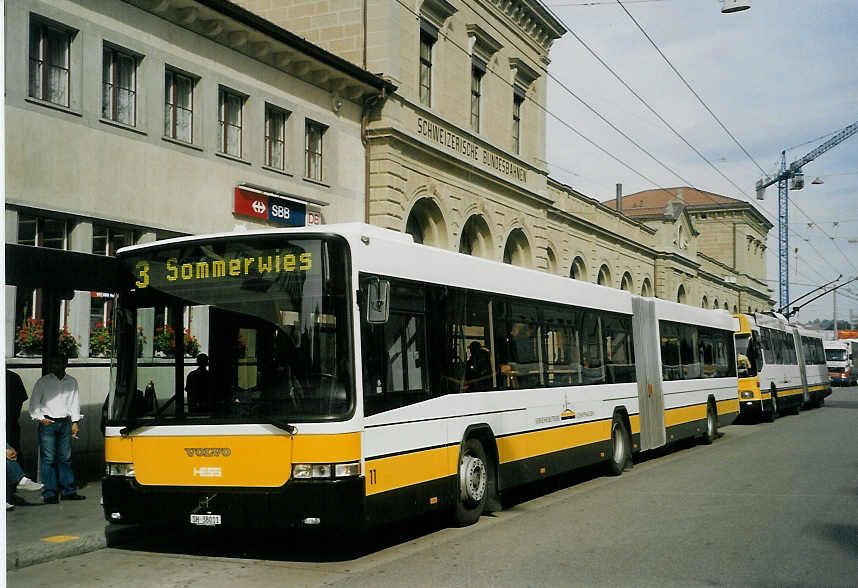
(600, 116)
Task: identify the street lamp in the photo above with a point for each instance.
(730, 6)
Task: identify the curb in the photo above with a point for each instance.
(40, 552)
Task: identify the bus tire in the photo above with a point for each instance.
(473, 483)
(711, 424)
(620, 447)
(773, 413)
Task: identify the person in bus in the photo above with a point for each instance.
(198, 385)
(478, 368)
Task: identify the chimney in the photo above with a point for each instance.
(619, 197)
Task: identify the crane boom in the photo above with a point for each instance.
(787, 172)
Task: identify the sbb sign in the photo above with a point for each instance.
(274, 209)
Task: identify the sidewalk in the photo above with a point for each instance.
(37, 532)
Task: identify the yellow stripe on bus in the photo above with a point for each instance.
(516, 447)
(398, 471)
(678, 416)
(727, 406)
(326, 448)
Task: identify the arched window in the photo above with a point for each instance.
(476, 238)
(578, 271)
(426, 223)
(715, 304)
(552, 261)
(626, 282)
(646, 288)
(680, 294)
(704, 303)
(517, 249)
(604, 278)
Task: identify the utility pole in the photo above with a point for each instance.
(834, 297)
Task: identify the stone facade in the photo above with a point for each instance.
(466, 187)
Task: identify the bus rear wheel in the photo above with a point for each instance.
(620, 448)
(473, 483)
(711, 424)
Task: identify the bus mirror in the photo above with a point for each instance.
(377, 301)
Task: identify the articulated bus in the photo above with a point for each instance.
(781, 367)
(348, 377)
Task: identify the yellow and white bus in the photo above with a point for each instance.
(780, 366)
(354, 377)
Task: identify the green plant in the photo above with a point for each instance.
(165, 341)
(101, 340)
(29, 336)
(66, 343)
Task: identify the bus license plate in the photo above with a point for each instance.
(206, 520)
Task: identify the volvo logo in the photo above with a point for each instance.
(258, 207)
(208, 451)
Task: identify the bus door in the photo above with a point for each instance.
(648, 371)
(802, 366)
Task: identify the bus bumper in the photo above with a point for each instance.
(317, 504)
(751, 407)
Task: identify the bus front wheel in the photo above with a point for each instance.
(473, 483)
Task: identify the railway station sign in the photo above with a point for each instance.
(272, 208)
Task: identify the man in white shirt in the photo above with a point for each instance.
(55, 405)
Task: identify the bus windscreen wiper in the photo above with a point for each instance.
(284, 426)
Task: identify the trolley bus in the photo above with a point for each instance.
(780, 367)
(354, 377)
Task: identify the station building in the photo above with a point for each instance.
(128, 122)
(457, 156)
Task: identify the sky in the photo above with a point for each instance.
(779, 76)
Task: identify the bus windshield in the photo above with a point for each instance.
(234, 330)
(835, 355)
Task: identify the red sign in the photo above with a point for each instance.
(249, 203)
(844, 334)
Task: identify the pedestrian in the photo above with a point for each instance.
(55, 405)
(16, 394)
(15, 478)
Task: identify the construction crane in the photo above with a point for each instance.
(794, 174)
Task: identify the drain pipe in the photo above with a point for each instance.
(368, 105)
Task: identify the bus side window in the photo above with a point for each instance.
(593, 365)
(670, 365)
(445, 326)
(394, 353)
(619, 351)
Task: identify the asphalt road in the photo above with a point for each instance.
(767, 504)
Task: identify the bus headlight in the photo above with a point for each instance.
(747, 394)
(307, 471)
(125, 470)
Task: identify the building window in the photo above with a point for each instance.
(478, 70)
(39, 232)
(517, 100)
(313, 150)
(105, 241)
(229, 121)
(50, 55)
(179, 106)
(119, 86)
(428, 36)
(275, 137)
